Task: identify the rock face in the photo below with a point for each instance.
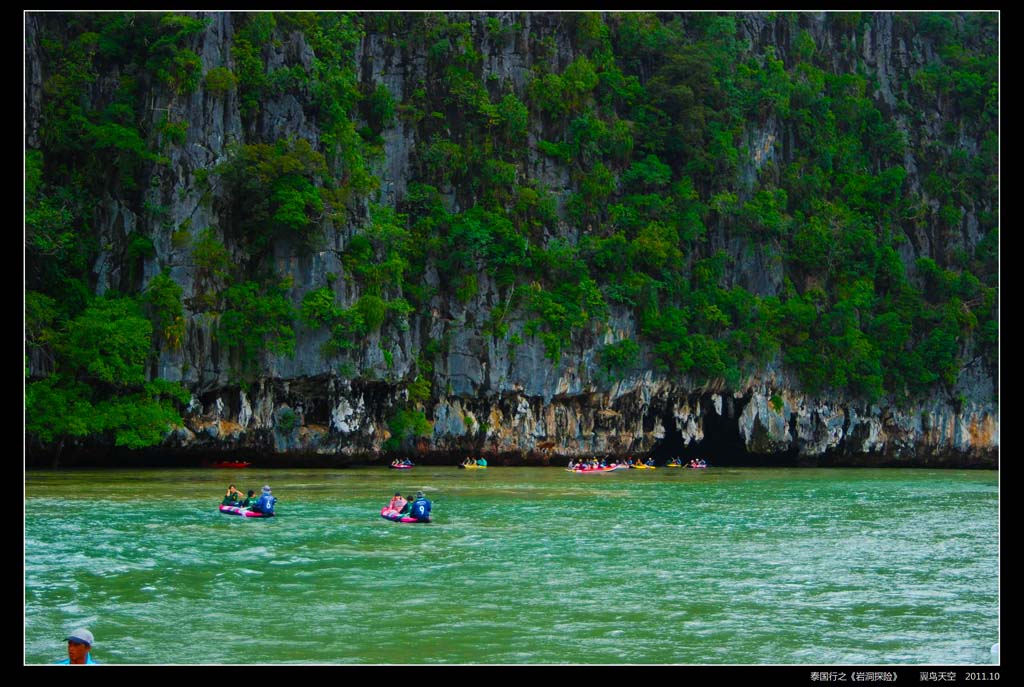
(490, 394)
(350, 419)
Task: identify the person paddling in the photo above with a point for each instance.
(266, 502)
(421, 507)
(397, 503)
(232, 497)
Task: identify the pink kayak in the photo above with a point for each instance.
(394, 516)
(244, 512)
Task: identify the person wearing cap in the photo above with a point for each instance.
(79, 648)
(421, 507)
(266, 501)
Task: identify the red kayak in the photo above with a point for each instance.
(401, 467)
(394, 516)
(231, 464)
(244, 512)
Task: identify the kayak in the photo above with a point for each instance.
(610, 468)
(401, 467)
(394, 516)
(244, 512)
(644, 467)
(474, 467)
(670, 465)
(232, 464)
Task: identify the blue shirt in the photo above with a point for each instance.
(88, 661)
(265, 504)
(421, 509)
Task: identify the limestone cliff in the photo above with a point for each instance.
(497, 390)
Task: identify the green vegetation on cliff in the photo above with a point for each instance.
(652, 121)
(632, 164)
(97, 383)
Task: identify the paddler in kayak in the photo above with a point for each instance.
(420, 508)
(397, 502)
(266, 502)
(396, 505)
(232, 497)
(250, 500)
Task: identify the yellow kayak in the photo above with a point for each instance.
(474, 467)
(644, 467)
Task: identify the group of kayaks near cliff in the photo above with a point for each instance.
(591, 465)
(596, 465)
(695, 463)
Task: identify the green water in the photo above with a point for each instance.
(522, 565)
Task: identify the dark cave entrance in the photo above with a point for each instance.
(723, 443)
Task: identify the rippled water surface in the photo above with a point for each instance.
(522, 565)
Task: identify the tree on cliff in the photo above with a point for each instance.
(98, 385)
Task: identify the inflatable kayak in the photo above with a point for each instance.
(474, 467)
(401, 467)
(231, 464)
(610, 468)
(644, 467)
(394, 516)
(244, 512)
